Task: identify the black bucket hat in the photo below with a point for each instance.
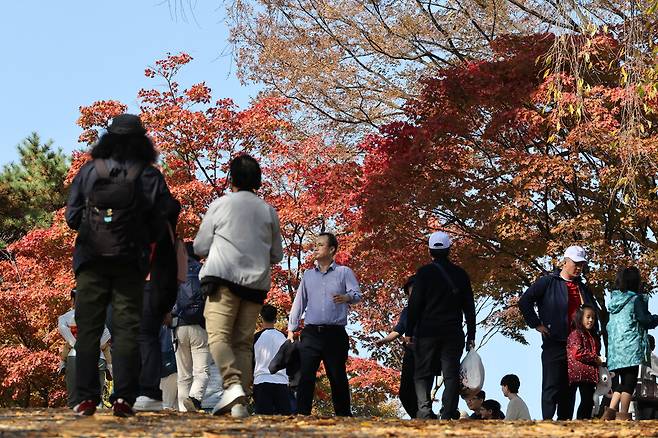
(126, 124)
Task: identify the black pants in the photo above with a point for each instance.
(149, 346)
(407, 388)
(555, 389)
(330, 345)
(586, 406)
(647, 410)
(625, 379)
(272, 399)
(431, 355)
(98, 285)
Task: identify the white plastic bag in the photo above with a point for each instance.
(471, 373)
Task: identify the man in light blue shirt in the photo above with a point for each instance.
(325, 294)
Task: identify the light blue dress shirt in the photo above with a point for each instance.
(315, 296)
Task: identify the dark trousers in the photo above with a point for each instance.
(431, 355)
(149, 346)
(330, 345)
(586, 406)
(272, 399)
(407, 391)
(556, 393)
(98, 285)
(647, 410)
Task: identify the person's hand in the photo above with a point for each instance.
(541, 328)
(470, 345)
(409, 341)
(380, 342)
(167, 320)
(599, 360)
(291, 336)
(342, 299)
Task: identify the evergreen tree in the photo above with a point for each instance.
(32, 189)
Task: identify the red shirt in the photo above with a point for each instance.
(574, 301)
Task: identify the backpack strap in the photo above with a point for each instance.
(101, 168)
(134, 171)
(446, 276)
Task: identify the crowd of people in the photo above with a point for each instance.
(174, 311)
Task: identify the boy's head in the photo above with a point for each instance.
(474, 402)
(268, 313)
(490, 410)
(510, 384)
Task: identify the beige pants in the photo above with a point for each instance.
(192, 362)
(231, 322)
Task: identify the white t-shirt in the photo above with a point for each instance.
(265, 348)
(68, 329)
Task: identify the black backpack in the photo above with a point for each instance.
(112, 222)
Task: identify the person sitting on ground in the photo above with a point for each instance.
(490, 410)
(474, 403)
(516, 408)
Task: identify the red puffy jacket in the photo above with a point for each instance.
(582, 353)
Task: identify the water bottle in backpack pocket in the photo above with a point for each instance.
(112, 222)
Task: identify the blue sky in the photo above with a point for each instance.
(58, 56)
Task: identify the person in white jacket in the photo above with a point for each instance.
(240, 239)
(68, 328)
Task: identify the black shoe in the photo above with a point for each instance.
(192, 404)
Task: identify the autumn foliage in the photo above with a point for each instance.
(481, 151)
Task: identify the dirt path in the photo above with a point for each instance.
(61, 423)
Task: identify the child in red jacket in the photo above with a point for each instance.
(583, 361)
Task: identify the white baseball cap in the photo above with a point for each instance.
(576, 254)
(439, 240)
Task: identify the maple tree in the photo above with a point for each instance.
(486, 155)
(357, 62)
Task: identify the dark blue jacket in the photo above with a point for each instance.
(549, 293)
(190, 301)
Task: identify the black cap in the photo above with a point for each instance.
(126, 124)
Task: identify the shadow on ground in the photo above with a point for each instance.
(62, 423)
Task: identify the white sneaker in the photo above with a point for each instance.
(144, 403)
(239, 411)
(232, 395)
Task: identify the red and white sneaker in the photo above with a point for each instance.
(85, 408)
(121, 408)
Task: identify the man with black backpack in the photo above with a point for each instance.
(442, 294)
(192, 354)
(118, 204)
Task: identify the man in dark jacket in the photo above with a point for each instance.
(441, 298)
(117, 203)
(557, 296)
